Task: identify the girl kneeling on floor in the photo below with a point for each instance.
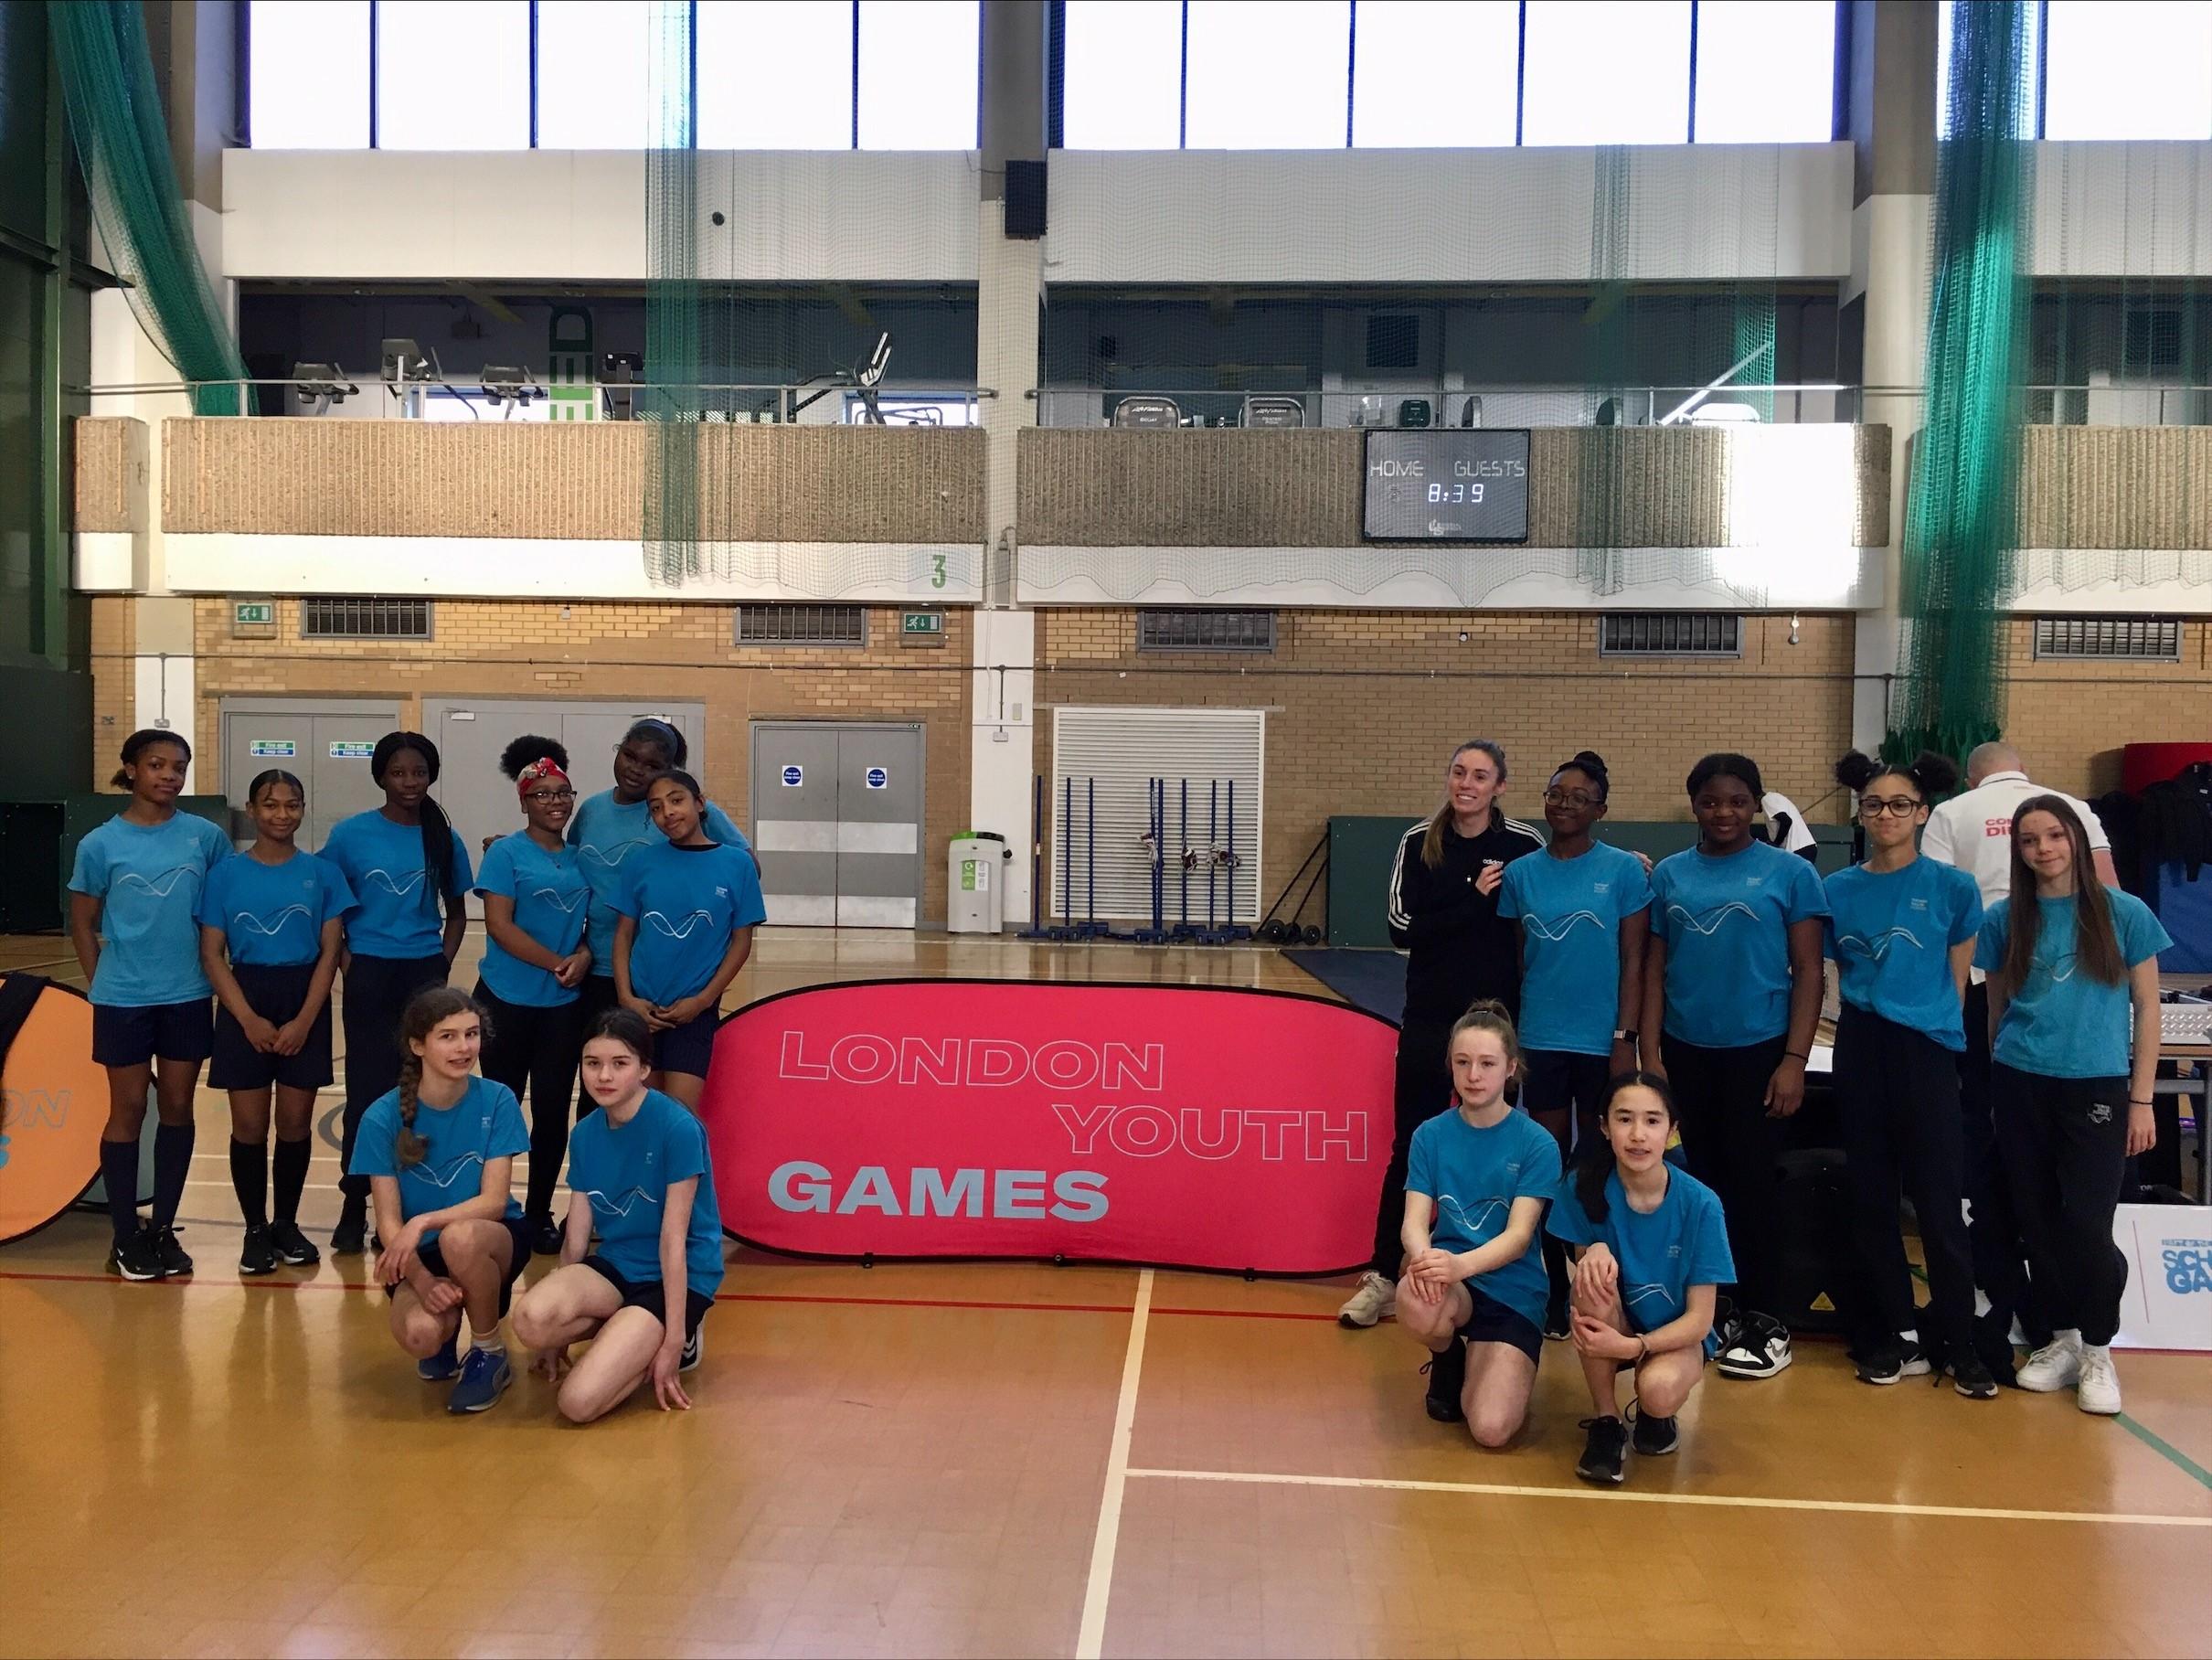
(1477, 1180)
(639, 1163)
(1653, 1256)
(439, 1155)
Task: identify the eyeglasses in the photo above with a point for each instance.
(1555, 797)
(1872, 807)
(545, 796)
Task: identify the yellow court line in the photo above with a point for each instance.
(1090, 1638)
(1716, 1500)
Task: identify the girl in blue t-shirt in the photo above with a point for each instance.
(1900, 931)
(2074, 1025)
(1477, 1180)
(1583, 911)
(133, 894)
(270, 928)
(687, 910)
(1731, 999)
(438, 1152)
(1653, 1255)
(535, 900)
(407, 871)
(640, 1163)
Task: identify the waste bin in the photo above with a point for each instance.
(976, 882)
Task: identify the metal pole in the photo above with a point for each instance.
(1229, 921)
(1184, 859)
(1068, 848)
(1036, 855)
(1090, 851)
(1213, 842)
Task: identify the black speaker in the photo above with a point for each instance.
(1025, 200)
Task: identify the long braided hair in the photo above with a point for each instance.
(437, 830)
(429, 1006)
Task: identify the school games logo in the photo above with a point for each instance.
(248, 922)
(611, 856)
(2188, 1265)
(1877, 948)
(1472, 1225)
(564, 903)
(1708, 922)
(160, 885)
(622, 1204)
(1545, 929)
(674, 931)
(391, 884)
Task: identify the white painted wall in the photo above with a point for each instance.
(2111, 209)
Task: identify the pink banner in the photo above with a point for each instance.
(991, 1118)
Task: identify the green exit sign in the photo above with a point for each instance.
(921, 622)
(254, 613)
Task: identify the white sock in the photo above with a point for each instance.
(2097, 1348)
(2068, 1334)
(487, 1341)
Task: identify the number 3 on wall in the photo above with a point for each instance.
(937, 571)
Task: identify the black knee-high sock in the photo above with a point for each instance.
(250, 1179)
(1556, 1270)
(172, 1165)
(290, 1164)
(119, 1175)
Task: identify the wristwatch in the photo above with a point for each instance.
(1624, 1035)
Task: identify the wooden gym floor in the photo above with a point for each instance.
(1019, 1460)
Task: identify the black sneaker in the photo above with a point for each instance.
(1993, 1346)
(693, 1351)
(1892, 1362)
(1605, 1454)
(291, 1245)
(134, 1258)
(1656, 1437)
(1761, 1349)
(1447, 1376)
(175, 1263)
(1556, 1326)
(256, 1254)
(1970, 1377)
(544, 1236)
(350, 1236)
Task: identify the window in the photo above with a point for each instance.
(1670, 634)
(1266, 77)
(1606, 72)
(307, 74)
(365, 618)
(2142, 639)
(453, 74)
(591, 61)
(2031, 16)
(2124, 68)
(1430, 75)
(2153, 341)
(1123, 86)
(802, 626)
(919, 65)
(1206, 631)
(775, 77)
(1766, 71)
(1394, 343)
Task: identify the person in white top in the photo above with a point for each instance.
(1973, 830)
(1786, 827)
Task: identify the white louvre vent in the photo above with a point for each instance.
(2109, 639)
(1109, 755)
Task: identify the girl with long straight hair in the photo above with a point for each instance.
(2074, 1026)
(1443, 913)
(408, 870)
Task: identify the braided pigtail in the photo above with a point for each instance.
(412, 1149)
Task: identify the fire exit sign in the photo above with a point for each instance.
(253, 613)
(922, 623)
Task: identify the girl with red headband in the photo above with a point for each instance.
(536, 901)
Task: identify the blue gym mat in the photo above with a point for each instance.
(1372, 979)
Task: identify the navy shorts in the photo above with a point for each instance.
(652, 1294)
(688, 1047)
(174, 1031)
(518, 1234)
(276, 993)
(1554, 1079)
(1491, 1322)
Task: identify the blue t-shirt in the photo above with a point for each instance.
(687, 902)
(395, 915)
(1571, 912)
(626, 1174)
(1473, 1177)
(1725, 925)
(1890, 934)
(1683, 1243)
(603, 833)
(2063, 1024)
(486, 1124)
(147, 878)
(272, 915)
(550, 898)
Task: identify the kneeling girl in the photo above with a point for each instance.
(439, 1155)
(1477, 1180)
(641, 1162)
(1653, 1256)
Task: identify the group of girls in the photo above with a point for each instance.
(643, 897)
(1715, 958)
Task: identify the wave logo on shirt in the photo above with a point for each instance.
(564, 905)
(1545, 929)
(160, 887)
(1879, 947)
(1471, 1224)
(611, 856)
(265, 927)
(672, 930)
(453, 1170)
(622, 1204)
(1632, 1296)
(389, 883)
(1708, 922)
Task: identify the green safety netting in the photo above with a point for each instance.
(122, 145)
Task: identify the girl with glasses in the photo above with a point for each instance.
(536, 901)
(1900, 931)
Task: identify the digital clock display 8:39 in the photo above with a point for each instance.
(1446, 484)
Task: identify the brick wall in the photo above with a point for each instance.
(2070, 719)
(114, 622)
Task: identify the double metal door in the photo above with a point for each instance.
(837, 823)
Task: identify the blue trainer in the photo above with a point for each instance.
(442, 1365)
(484, 1377)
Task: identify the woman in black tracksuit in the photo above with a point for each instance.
(1444, 911)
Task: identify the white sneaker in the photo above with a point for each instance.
(2054, 1367)
(1374, 1301)
(2099, 1390)
(1762, 1348)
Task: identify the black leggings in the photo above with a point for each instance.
(2065, 1145)
(377, 992)
(1898, 1092)
(1731, 1146)
(1423, 1089)
(1993, 1233)
(540, 1047)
